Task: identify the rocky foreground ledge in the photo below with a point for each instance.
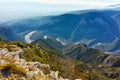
(13, 67)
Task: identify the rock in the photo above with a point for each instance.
(3, 51)
(54, 75)
(44, 66)
(2, 62)
(23, 78)
(30, 74)
(42, 74)
(32, 68)
(37, 64)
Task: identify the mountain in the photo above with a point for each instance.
(90, 27)
(26, 61)
(112, 46)
(50, 43)
(79, 52)
(91, 56)
(77, 62)
(94, 58)
(19, 68)
(7, 34)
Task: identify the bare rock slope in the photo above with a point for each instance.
(12, 66)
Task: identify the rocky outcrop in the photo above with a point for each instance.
(33, 70)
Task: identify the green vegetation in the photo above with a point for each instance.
(49, 43)
(9, 68)
(77, 62)
(0, 38)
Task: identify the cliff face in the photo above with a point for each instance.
(12, 66)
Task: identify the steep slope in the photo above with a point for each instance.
(94, 58)
(91, 56)
(80, 52)
(32, 55)
(97, 26)
(7, 34)
(50, 43)
(18, 68)
(95, 64)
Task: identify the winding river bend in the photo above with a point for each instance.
(28, 36)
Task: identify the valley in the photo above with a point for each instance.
(72, 27)
(78, 45)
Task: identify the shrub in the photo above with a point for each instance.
(8, 69)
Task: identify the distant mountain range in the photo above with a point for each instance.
(96, 59)
(77, 51)
(95, 28)
(77, 44)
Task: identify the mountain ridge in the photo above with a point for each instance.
(7, 34)
(73, 26)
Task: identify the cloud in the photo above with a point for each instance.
(74, 3)
(11, 9)
(78, 2)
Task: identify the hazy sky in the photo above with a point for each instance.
(15, 9)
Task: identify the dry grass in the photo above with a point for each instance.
(11, 68)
